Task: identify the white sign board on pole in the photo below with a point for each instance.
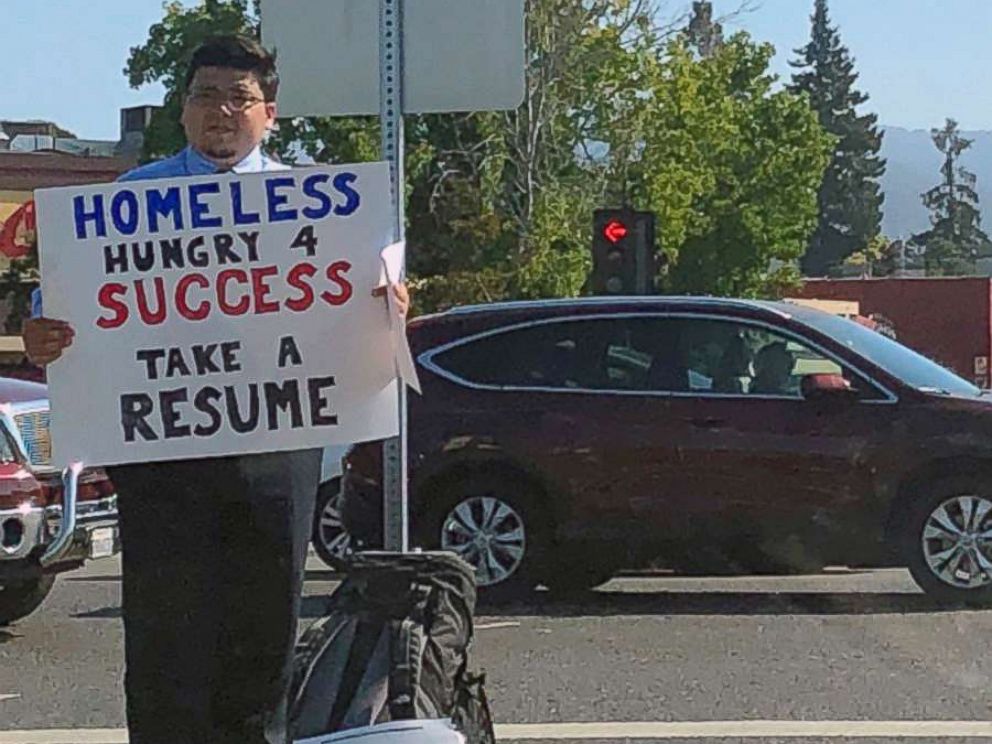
(458, 55)
(218, 315)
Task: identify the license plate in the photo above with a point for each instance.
(102, 542)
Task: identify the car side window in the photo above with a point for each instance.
(730, 358)
(640, 357)
(565, 354)
(599, 355)
(648, 354)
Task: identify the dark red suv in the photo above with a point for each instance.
(557, 442)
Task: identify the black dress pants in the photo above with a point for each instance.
(213, 560)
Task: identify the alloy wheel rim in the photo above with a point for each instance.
(489, 534)
(333, 535)
(957, 542)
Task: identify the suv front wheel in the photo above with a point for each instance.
(947, 540)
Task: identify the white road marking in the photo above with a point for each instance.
(494, 626)
(626, 731)
(747, 730)
(65, 736)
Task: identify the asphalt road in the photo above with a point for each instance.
(841, 656)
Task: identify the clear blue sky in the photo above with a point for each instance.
(920, 60)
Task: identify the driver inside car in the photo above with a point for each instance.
(773, 370)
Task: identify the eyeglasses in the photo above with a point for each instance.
(235, 102)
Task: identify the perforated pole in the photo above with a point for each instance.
(395, 498)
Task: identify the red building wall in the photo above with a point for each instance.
(948, 320)
(27, 171)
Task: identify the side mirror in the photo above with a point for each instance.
(827, 387)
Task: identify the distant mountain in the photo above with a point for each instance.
(914, 167)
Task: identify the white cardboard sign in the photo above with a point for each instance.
(219, 315)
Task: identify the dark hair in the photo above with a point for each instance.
(239, 53)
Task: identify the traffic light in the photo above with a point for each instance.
(623, 252)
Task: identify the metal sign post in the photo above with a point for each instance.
(435, 56)
(395, 498)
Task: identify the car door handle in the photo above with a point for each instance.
(707, 422)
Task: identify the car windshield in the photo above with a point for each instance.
(901, 362)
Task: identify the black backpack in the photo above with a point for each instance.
(394, 646)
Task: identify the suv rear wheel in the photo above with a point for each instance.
(947, 540)
(330, 538)
(20, 599)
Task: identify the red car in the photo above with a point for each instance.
(31, 500)
(557, 442)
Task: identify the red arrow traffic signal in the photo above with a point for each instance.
(623, 252)
(615, 231)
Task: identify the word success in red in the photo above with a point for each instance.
(194, 296)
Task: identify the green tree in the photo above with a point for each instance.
(881, 257)
(16, 284)
(731, 167)
(956, 239)
(850, 197)
(500, 204)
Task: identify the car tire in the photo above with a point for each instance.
(945, 535)
(495, 523)
(330, 538)
(18, 600)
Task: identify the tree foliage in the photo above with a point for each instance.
(617, 111)
(16, 284)
(956, 239)
(850, 197)
(732, 169)
(881, 257)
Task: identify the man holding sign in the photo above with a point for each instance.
(215, 314)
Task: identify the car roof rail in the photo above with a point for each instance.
(777, 308)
